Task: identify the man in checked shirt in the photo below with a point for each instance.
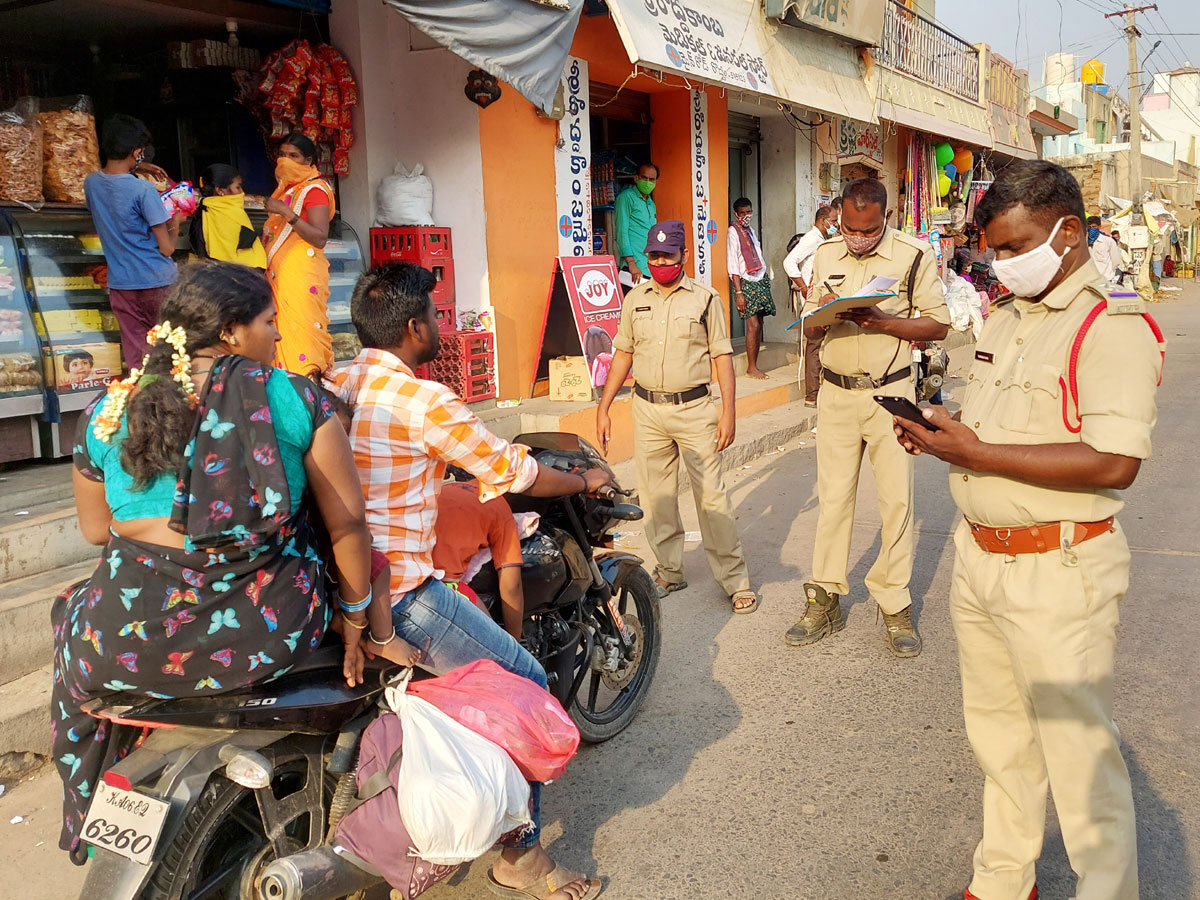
(404, 432)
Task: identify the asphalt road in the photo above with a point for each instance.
(759, 771)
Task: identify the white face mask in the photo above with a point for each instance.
(1028, 274)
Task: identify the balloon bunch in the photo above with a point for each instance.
(951, 163)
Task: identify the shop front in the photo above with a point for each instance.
(194, 76)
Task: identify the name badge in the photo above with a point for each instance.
(984, 357)
(641, 309)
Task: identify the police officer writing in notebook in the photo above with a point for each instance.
(1056, 420)
(867, 353)
(673, 334)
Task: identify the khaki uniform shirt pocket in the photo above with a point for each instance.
(1031, 399)
(642, 324)
(687, 352)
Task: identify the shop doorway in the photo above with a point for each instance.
(620, 143)
(745, 180)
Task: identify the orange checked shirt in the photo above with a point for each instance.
(404, 433)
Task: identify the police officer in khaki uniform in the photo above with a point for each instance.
(673, 334)
(867, 353)
(1047, 440)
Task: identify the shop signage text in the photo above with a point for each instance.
(711, 40)
(857, 139)
(572, 163)
(859, 21)
(704, 229)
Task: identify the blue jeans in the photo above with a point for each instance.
(451, 631)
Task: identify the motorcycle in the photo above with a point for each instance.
(238, 796)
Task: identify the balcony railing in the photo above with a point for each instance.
(918, 47)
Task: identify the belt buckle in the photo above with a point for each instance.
(864, 383)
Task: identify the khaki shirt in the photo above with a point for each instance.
(847, 349)
(674, 338)
(1015, 393)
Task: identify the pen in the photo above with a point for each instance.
(828, 288)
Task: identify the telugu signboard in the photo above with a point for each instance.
(859, 21)
(572, 164)
(704, 227)
(859, 142)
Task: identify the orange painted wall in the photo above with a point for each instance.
(517, 148)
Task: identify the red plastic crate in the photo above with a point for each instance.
(443, 290)
(422, 244)
(467, 365)
(447, 317)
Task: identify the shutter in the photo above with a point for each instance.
(632, 106)
(744, 130)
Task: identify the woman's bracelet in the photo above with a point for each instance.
(355, 607)
(391, 637)
(353, 624)
(583, 478)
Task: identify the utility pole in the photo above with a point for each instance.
(1139, 240)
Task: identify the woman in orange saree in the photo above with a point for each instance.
(297, 229)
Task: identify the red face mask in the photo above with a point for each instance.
(667, 274)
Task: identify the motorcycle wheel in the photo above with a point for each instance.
(607, 701)
(222, 844)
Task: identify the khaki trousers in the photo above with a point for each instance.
(847, 423)
(663, 433)
(1036, 636)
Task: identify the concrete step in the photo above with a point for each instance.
(41, 537)
(29, 485)
(26, 642)
(25, 718)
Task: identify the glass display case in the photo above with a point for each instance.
(60, 343)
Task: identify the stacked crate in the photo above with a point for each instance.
(467, 361)
(427, 246)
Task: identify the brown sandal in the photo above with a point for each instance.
(544, 886)
(749, 608)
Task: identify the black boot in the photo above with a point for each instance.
(823, 616)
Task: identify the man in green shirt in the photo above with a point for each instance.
(635, 212)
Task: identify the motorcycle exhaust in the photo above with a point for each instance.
(318, 874)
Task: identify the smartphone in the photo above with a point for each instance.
(905, 409)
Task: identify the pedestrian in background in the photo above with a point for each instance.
(139, 236)
(1040, 562)
(673, 334)
(751, 281)
(220, 228)
(866, 353)
(798, 266)
(1104, 250)
(633, 214)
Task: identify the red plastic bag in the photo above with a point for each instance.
(509, 710)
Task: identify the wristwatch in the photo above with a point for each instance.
(294, 219)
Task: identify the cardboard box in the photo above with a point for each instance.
(569, 379)
(83, 366)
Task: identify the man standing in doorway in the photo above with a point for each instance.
(751, 283)
(798, 266)
(634, 213)
(1040, 564)
(866, 353)
(673, 334)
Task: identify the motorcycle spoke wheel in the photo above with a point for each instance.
(611, 697)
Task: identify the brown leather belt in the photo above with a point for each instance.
(864, 382)
(668, 397)
(1035, 538)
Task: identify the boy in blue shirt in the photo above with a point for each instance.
(137, 233)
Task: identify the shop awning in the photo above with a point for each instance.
(911, 103)
(522, 42)
(731, 43)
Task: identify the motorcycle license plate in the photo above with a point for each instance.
(125, 822)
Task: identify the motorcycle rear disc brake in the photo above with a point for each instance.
(616, 679)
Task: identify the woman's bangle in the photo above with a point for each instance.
(354, 624)
(391, 637)
(355, 607)
(294, 219)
